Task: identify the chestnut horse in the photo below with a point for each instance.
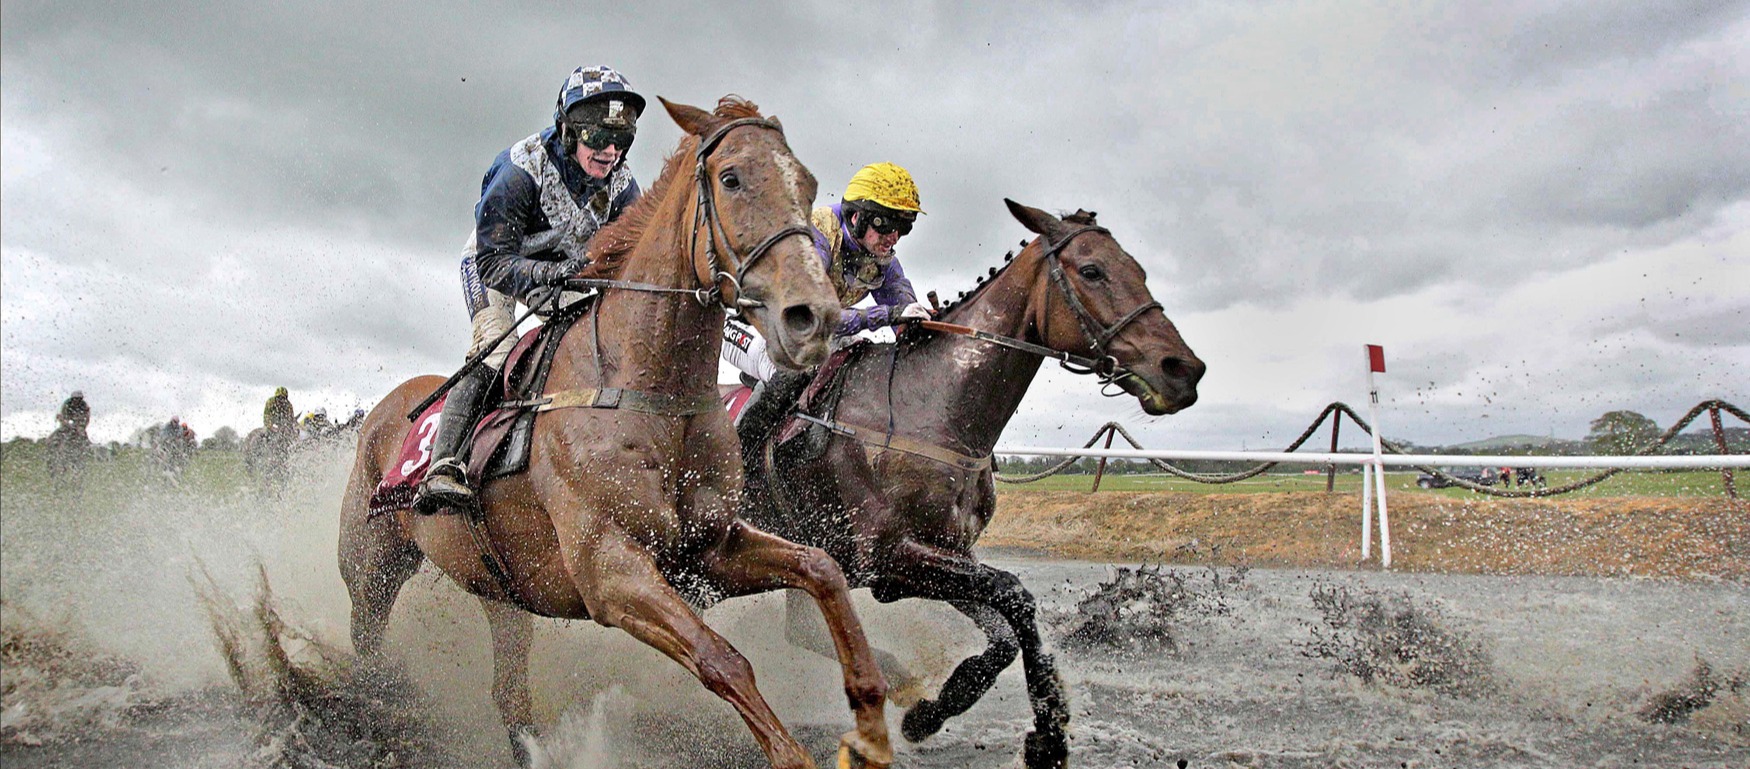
(903, 486)
(628, 516)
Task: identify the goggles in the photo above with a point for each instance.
(597, 137)
(887, 224)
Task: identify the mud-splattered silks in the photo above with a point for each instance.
(573, 224)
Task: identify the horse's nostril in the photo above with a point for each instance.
(799, 319)
(1182, 370)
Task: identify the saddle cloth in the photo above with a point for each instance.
(500, 443)
(735, 397)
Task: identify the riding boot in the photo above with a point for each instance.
(446, 483)
(765, 410)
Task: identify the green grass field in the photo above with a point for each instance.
(1687, 483)
(24, 472)
(221, 472)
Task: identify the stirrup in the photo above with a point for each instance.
(445, 487)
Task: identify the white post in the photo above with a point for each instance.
(1376, 362)
(1366, 512)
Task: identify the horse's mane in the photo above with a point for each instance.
(609, 247)
(1081, 218)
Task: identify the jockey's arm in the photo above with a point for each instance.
(508, 206)
(894, 294)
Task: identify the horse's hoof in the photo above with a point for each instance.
(923, 720)
(854, 754)
(906, 691)
(1046, 751)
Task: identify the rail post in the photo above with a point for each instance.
(1100, 471)
(1713, 412)
(1331, 469)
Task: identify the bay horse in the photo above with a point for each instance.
(629, 517)
(902, 486)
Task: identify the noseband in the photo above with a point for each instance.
(706, 213)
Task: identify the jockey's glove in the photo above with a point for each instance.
(555, 273)
(915, 311)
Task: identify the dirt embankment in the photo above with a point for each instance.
(1684, 537)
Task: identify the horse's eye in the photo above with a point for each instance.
(1092, 272)
(730, 180)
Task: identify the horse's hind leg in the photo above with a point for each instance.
(805, 628)
(753, 561)
(971, 678)
(375, 561)
(622, 588)
(512, 629)
(930, 572)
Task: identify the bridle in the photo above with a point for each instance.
(705, 215)
(1098, 336)
(707, 211)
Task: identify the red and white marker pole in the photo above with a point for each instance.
(1373, 475)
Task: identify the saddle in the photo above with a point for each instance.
(820, 398)
(502, 438)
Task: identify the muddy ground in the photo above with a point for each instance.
(1574, 624)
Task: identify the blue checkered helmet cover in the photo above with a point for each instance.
(590, 84)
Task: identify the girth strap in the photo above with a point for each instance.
(661, 404)
(881, 440)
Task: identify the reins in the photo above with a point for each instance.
(704, 215)
(1105, 367)
(605, 397)
(1099, 336)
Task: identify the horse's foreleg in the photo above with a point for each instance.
(622, 588)
(753, 561)
(931, 572)
(512, 629)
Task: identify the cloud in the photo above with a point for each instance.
(1536, 208)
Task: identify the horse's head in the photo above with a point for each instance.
(1099, 305)
(754, 242)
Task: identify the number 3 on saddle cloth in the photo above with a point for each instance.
(500, 445)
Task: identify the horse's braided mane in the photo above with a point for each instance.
(1081, 218)
(609, 247)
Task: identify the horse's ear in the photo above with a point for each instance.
(1035, 219)
(693, 120)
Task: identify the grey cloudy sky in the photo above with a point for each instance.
(1541, 209)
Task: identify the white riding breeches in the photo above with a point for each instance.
(745, 349)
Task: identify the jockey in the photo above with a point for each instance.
(541, 202)
(316, 424)
(75, 414)
(278, 417)
(855, 240)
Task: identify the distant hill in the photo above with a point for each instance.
(1696, 440)
(1509, 441)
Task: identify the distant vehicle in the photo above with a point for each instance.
(1482, 476)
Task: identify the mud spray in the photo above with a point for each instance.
(219, 616)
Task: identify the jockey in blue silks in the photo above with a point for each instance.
(541, 202)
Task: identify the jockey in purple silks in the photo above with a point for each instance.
(855, 240)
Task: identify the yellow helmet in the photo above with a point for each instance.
(279, 392)
(885, 184)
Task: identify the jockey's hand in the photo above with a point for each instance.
(916, 311)
(555, 273)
